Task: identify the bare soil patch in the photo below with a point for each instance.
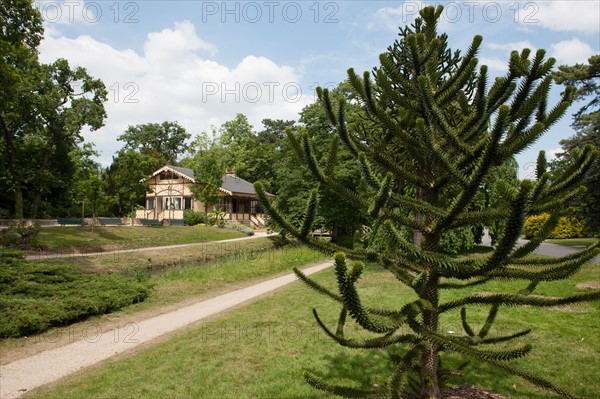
(466, 391)
(581, 307)
(595, 285)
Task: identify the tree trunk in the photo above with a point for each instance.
(417, 235)
(18, 203)
(35, 205)
(8, 134)
(37, 197)
(430, 373)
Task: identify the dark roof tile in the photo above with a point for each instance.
(233, 184)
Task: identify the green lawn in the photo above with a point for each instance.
(124, 237)
(574, 242)
(193, 279)
(260, 350)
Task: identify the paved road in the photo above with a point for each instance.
(548, 249)
(559, 250)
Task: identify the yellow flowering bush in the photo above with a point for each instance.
(567, 227)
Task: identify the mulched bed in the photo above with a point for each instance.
(466, 391)
(595, 285)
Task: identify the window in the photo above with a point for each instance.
(150, 204)
(168, 176)
(177, 203)
(225, 204)
(187, 202)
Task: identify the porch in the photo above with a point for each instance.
(245, 210)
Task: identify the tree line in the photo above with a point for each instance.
(48, 170)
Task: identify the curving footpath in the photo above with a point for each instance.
(26, 374)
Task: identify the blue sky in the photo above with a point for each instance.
(202, 62)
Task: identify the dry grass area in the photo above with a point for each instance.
(155, 261)
(85, 239)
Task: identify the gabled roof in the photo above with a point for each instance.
(231, 184)
(236, 185)
(186, 173)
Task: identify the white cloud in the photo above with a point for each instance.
(551, 154)
(180, 40)
(174, 80)
(571, 52)
(562, 15)
(391, 18)
(495, 64)
(512, 46)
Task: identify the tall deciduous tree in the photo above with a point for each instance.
(254, 155)
(123, 180)
(437, 125)
(208, 173)
(43, 108)
(89, 184)
(164, 141)
(234, 139)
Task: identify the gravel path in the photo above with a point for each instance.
(29, 373)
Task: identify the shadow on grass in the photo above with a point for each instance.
(360, 369)
(495, 380)
(479, 249)
(364, 369)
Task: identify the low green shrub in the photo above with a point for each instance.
(241, 228)
(37, 296)
(567, 227)
(217, 218)
(20, 237)
(193, 218)
(456, 241)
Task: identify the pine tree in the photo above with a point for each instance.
(434, 129)
(586, 122)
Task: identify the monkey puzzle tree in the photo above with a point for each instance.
(434, 128)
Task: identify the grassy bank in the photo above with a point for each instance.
(574, 242)
(126, 237)
(260, 350)
(191, 279)
(156, 261)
